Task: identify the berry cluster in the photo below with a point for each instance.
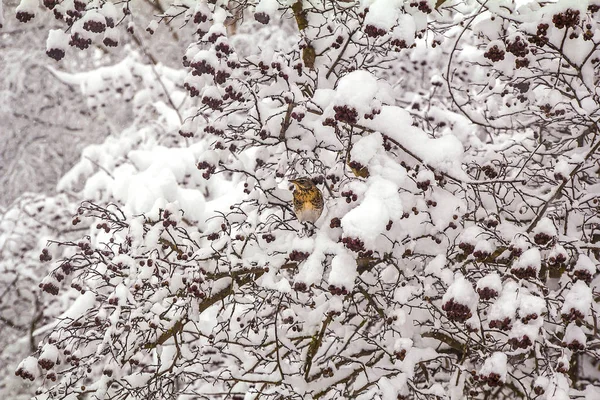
(524, 272)
(573, 315)
(49, 285)
(568, 19)
(562, 367)
(345, 114)
(487, 293)
(489, 171)
(220, 78)
(547, 109)
(262, 17)
(388, 227)
(335, 223)
(529, 317)
(337, 291)
(186, 134)
(574, 345)
(582, 275)
(298, 68)
(359, 169)
(51, 375)
(57, 54)
(223, 49)
(494, 54)
(542, 239)
(522, 343)
(400, 355)
(491, 222)
(423, 185)
(298, 256)
(300, 287)
(481, 255)
(521, 63)
(50, 4)
(229, 92)
(540, 38)
(45, 256)
(518, 47)
(365, 254)
(356, 245)
(79, 42)
(167, 221)
(399, 44)
(422, 6)
(94, 26)
(333, 178)
(212, 103)
(214, 131)
(24, 16)
(268, 237)
(338, 42)
(298, 116)
(373, 31)
(103, 226)
(214, 36)
(456, 311)
(200, 18)
(538, 390)
(110, 42)
(213, 236)
(350, 196)
(503, 325)
(85, 247)
(202, 67)
(194, 289)
(373, 113)
(557, 259)
(492, 380)
(467, 248)
(329, 122)
(23, 373)
(66, 268)
(515, 251)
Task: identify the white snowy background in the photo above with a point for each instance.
(148, 246)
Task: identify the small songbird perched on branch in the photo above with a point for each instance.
(308, 200)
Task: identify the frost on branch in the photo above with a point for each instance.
(460, 226)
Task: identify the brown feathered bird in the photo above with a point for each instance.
(308, 200)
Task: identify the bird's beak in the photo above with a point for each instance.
(294, 181)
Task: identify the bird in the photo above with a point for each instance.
(308, 200)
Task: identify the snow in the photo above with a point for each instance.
(586, 264)
(445, 153)
(497, 363)
(462, 292)
(57, 39)
(49, 352)
(357, 89)
(574, 333)
(506, 305)
(491, 281)
(530, 304)
(383, 14)
(343, 270)
(530, 258)
(369, 219)
(366, 148)
(546, 226)
(268, 7)
(80, 306)
(27, 6)
(578, 298)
